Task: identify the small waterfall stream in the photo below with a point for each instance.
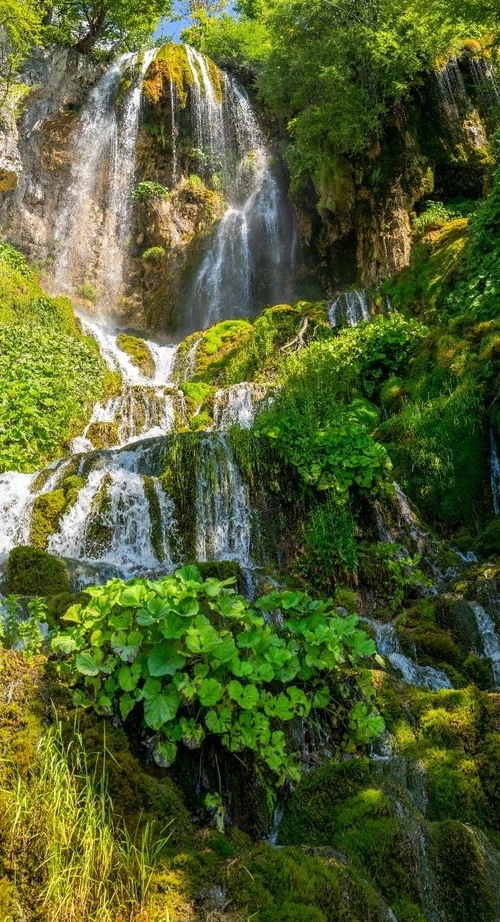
(348, 309)
(256, 230)
(387, 643)
(495, 474)
(93, 227)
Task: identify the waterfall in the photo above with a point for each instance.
(405, 530)
(484, 78)
(387, 643)
(15, 502)
(237, 405)
(112, 522)
(224, 520)
(118, 224)
(452, 90)
(495, 474)
(489, 639)
(207, 109)
(250, 258)
(173, 130)
(93, 225)
(349, 309)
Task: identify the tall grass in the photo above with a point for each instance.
(69, 855)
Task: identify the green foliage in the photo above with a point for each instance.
(49, 373)
(436, 214)
(35, 572)
(21, 631)
(153, 253)
(477, 291)
(392, 577)
(328, 548)
(138, 352)
(21, 29)
(106, 22)
(87, 291)
(202, 661)
(149, 190)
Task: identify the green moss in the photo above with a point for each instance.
(49, 508)
(31, 571)
(138, 352)
(309, 816)
(292, 886)
(462, 873)
(100, 528)
(487, 543)
(103, 435)
(157, 536)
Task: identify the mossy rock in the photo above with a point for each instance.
(138, 352)
(103, 434)
(487, 543)
(291, 885)
(31, 571)
(461, 857)
(49, 508)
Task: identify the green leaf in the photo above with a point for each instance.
(86, 664)
(210, 692)
(126, 706)
(165, 660)
(247, 696)
(164, 753)
(133, 596)
(162, 708)
(127, 680)
(64, 643)
(189, 574)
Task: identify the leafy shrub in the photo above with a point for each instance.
(87, 291)
(329, 547)
(335, 457)
(436, 214)
(149, 190)
(201, 661)
(16, 260)
(153, 253)
(18, 630)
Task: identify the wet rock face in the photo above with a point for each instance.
(10, 159)
(36, 155)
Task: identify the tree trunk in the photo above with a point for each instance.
(87, 43)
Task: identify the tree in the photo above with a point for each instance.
(106, 24)
(20, 29)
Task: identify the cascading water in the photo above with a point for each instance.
(146, 406)
(495, 474)
(93, 226)
(387, 643)
(489, 639)
(15, 500)
(224, 518)
(452, 90)
(249, 261)
(349, 309)
(111, 525)
(237, 405)
(485, 79)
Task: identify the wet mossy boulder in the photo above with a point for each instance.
(295, 885)
(31, 571)
(468, 872)
(49, 508)
(138, 353)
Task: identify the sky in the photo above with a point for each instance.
(170, 29)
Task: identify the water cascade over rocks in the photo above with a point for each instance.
(257, 228)
(495, 474)
(348, 309)
(93, 227)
